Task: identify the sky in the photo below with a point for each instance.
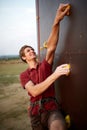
(17, 25)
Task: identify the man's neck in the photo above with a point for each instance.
(33, 64)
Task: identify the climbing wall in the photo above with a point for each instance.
(72, 48)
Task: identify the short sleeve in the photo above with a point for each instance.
(24, 78)
(47, 64)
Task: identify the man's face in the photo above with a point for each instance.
(29, 54)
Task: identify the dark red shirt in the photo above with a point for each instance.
(38, 75)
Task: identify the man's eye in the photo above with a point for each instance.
(32, 49)
(28, 50)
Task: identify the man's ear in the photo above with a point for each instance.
(23, 57)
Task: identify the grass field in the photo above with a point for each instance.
(13, 99)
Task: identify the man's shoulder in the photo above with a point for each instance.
(46, 63)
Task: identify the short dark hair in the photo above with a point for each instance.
(21, 52)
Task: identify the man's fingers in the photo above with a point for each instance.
(66, 9)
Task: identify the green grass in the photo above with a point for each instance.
(6, 80)
(10, 71)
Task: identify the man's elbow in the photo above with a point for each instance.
(31, 90)
(51, 49)
(33, 93)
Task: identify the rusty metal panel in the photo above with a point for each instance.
(72, 48)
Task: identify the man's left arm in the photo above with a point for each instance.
(54, 35)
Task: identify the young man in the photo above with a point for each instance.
(38, 80)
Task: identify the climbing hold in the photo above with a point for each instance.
(68, 7)
(44, 46)
(68, 66)
(68, 13)
(67, 120)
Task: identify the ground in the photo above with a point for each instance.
(14, 100)
(13, 108)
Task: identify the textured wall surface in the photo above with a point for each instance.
(72, 48)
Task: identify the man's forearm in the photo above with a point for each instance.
(37, 89)
(54, 35)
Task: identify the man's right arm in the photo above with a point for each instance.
(38, 89)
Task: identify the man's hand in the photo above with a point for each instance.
(62, 11)
(62, 70)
